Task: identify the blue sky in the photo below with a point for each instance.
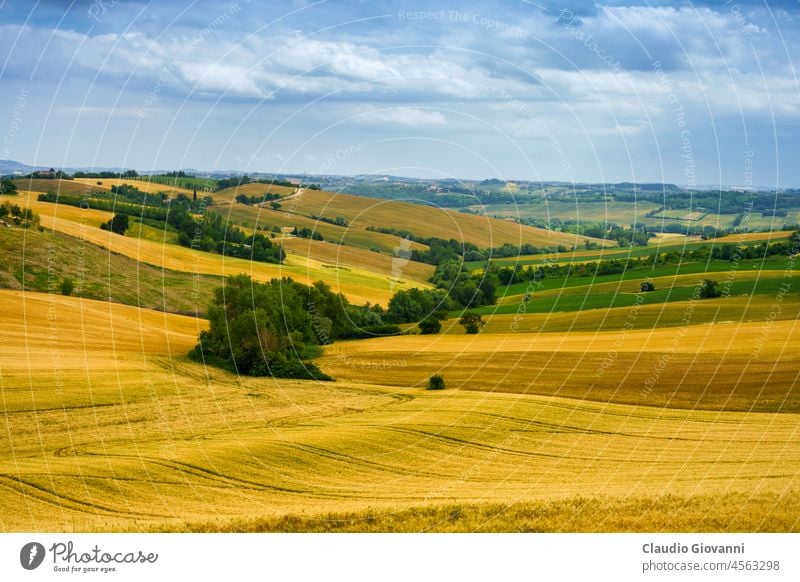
(701, 93)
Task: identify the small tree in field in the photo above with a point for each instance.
(472, 322)
(67, 287)
(118, 224)
(647, 286)
(436, 382)
(709, 289)
(429, 325)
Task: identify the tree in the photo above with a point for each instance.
(118, 224)
(276, 328)
(472, 322)
(275, 205)
(7, 186)
(194, 195)
(436, 382)
(414, 304)
(430, 325)
(647, 286)
(67, 287)
(709, 289)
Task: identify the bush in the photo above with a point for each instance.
(709, 289)
(436, 382)
(119, 224)
(647, 286)
(429, 325)
(472, 322)
(67, 286)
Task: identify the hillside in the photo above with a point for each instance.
(156, 443)
(427, 221)
(41, 261)
(358, 283)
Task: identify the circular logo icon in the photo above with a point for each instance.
(31, 555)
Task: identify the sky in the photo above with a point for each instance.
(691, 93)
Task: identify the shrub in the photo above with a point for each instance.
(119, 224)
(472, 322)
(647, 286)
(436, 382)
(67, 286)
(709, 289)
(429, 325)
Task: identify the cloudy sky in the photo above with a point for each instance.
(695, 93)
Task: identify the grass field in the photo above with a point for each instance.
(143, 185)
(125, 434)
(359, 284)
(265, 218)
(41, 261)
(660, 244)
(331, 253)
(229, 194)
(622, 213)
(69, 187)
(731, 366)
(426, 221)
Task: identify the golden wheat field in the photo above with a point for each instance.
(110, 427)
(724, 366)
(426, 221)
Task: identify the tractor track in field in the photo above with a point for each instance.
(51, 497)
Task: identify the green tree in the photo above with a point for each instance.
(709, 289)
(67, 286)
(118, 224)
(436, 382)
(472, 322)
(647, 286)
(7, 186)
(430, 325)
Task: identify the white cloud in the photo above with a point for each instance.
(401, 116)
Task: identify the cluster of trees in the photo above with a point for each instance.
(205, 231)
(7, 186)
(224, 183)
(107, 175)
(212, 233)
(250, 200)
(307, 233)
(441, 250)
(275, 328)
(726, 252)
(730, 202)
(338, 221)
(24, 217)
(455, 289)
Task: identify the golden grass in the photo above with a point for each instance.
(327, 252)
(727, 512)
(426, 221)
(108, 427)
(730, 366)
(143, 185)
(358, 284)
(229, 194)
(267, 218)
(70, 187)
